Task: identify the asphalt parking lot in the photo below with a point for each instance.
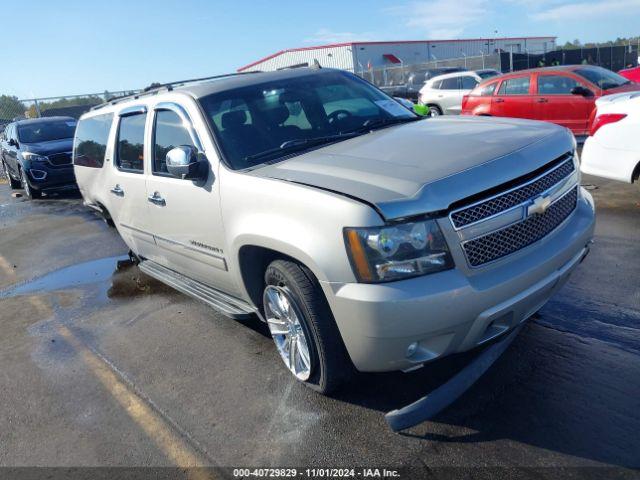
(101, 365)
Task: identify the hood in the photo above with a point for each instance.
(48, 148)
(629, 87)
(424, 167)
(617, 98)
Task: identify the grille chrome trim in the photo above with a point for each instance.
(541, 225)
(555, 175)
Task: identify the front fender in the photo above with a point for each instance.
(302, 222)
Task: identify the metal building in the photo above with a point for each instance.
(362, 56)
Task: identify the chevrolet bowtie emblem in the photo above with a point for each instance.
(538, 205)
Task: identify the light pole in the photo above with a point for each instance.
(482, 55)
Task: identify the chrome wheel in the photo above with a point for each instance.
(284, 320)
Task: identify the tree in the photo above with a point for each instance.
(10, 108)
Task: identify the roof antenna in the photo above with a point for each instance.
(316, 63)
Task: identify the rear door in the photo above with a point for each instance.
(450, 97)
(554, 102)
(126, 184)
(513, 98)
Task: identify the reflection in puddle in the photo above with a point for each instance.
(126, 280)
(87, 273)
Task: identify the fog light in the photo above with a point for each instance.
(411, 349)
(38, 174)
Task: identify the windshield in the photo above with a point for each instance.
(487, 73)
(46, 131)
(266, 121)
(603, 78)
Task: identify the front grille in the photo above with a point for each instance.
(510, 199)
(60, 159)
(522, 234)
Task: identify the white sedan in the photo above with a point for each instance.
(612, 149)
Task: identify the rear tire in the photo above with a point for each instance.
(313, 326)
(434, 111)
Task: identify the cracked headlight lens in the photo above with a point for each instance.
(394, 252)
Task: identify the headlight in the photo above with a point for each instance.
(394, 252)
(34, 157)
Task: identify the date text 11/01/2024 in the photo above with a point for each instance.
(315, 472)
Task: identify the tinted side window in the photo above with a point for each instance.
(450, 84)
(169, 133)
(469, 83)
(90, 142)
(555, 85)
(130, 155)
(515, 86)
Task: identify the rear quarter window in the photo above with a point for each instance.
(90, 142)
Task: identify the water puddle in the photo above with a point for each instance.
(74, 276)
(114, 277)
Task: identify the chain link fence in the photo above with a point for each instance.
(398, 75)
(12, 108)
(614, 58)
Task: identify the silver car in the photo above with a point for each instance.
(443, 94)
(365, 237)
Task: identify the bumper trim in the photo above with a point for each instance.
(430, 405)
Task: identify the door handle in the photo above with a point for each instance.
(117, 190)
(499, 100)
(542, 100)
(157, 199)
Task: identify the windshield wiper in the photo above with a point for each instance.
(373, 124)
(301, 144)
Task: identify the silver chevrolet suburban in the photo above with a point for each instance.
(364, 235)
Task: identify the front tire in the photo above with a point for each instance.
(29, 192)
(303, 328)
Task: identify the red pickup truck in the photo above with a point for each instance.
(565, 95)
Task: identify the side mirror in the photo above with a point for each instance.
(13, 143)
(578, 90)
(185, 163)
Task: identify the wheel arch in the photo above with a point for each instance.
(253, 260)
(635, 175)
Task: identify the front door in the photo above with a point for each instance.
(126, 185)
(10, 155)
(184, 214)
(555, 103)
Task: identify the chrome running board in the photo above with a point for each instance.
(225, 304)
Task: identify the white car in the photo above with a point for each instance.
(612, 149)
(443, 94)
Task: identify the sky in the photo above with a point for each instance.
(70, 47)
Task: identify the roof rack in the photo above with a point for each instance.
(166, 86)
